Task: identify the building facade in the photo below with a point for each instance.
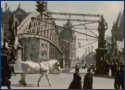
(39, 38)
(7, 16)
(118, 39)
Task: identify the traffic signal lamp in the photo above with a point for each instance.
(40, 7)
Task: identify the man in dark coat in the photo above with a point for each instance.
(76, 82)
(117, 78)
(77, 67)
(12, 59)
(122, 76)
(88, 80)
(6, 73)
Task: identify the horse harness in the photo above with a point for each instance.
(41, 68)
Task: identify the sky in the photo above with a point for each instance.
(109, 9)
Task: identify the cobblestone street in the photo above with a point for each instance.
(60, 45)
(59, 81)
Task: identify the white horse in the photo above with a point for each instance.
(42, 68)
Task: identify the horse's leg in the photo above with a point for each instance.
(23, 80)
(48, 79)
(39, 79)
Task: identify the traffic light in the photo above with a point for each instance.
(40, 7)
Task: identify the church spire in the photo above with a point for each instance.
(19, 5)
(6, 6)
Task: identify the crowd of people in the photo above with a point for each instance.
(88, 79)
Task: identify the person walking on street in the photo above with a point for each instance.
(88, 80)
(117, 78)
(77, 68)
(76, 82)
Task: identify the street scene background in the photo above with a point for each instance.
(84, 37)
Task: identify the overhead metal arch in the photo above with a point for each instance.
(40, 37)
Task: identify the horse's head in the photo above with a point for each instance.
(56, 64)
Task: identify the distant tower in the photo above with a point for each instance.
(6, 6)
(19, 5)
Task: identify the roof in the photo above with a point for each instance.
(22, 27)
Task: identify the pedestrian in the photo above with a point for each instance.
(122, 76)
(110, 72)
(77, 67)
(76, 82)
(11, 60)
(23, 80)
(117, 78)
(114, 69)
(88, 80)
(6, 74)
